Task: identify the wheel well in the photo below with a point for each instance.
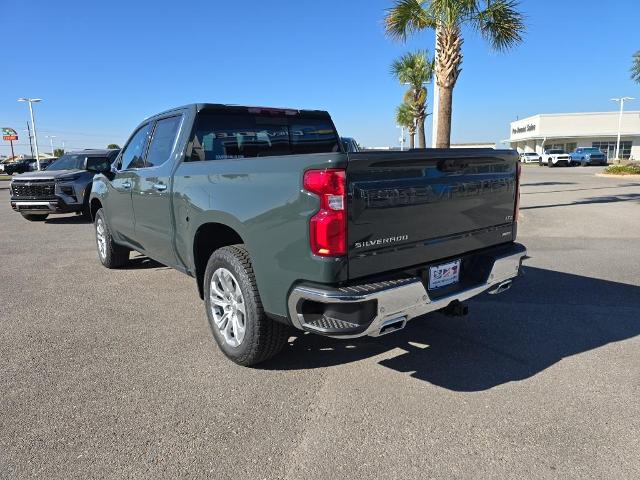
(209, 238)
(95, 206)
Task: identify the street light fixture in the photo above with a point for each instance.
(621, 100)
(31, 101)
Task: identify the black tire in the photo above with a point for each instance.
(550, 163)
(263, 337)
(114, 255)
(540, 164)
(86, 208)
(34, 217)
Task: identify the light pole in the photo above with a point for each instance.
(401, 127)
(621, 100)
(33, 124)
(436, 97)
(51, 137)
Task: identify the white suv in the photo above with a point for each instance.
(554, 158)
(529, 157)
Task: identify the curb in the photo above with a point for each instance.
(619, 175)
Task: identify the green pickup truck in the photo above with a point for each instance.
(282, 228)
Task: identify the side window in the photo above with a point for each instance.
(133, 154)
(164, 136)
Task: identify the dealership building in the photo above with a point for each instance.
(571, 130)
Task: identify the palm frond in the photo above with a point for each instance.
(405, 18)
(451, 13)
(500, 23)
(414, 68)
(635, 67)
(404, 115)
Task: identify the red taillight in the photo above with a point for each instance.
(517, 210)
(328, 227)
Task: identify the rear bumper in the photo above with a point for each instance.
(387, 302)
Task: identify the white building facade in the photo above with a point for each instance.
(569, 131)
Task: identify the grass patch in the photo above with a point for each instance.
(5, 178)
(630, 169)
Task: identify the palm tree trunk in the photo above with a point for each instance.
(412, 141)
(422, 142)
(449, 45)
(443, 137)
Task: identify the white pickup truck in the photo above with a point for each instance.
(555, 158)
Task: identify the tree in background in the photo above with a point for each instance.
(498, 21)
(635, 67)
(415, 69)
(404, 118)
(112, 146)
(58, 152)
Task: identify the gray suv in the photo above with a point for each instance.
(64, 187)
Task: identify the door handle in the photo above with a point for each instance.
(161, 187)
(126, 184)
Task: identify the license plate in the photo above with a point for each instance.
(445, 274)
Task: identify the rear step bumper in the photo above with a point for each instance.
(391, 303)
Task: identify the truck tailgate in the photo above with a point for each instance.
(412, 208)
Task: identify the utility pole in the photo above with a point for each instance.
(30, 143)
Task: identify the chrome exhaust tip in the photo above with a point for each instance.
(392, 325)
(502, 287)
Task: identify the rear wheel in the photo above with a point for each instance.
(34, 217)
(111, 254)
(238, 322)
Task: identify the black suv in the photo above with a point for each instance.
(64, 187)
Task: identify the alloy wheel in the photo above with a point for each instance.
(228, 307)
(101, 237)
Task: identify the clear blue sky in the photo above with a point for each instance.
(101, 67)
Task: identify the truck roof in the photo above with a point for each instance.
(231, 108)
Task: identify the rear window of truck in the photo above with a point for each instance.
(221, 137)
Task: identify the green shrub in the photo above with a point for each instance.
(631, 169)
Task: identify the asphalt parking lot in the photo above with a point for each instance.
(114, 374)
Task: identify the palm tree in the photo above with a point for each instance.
(415, 69)
(635, 67)
(404, 118)
(498, 21)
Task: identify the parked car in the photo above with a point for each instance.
(349, 144)
(25, 165)
(63, 187)
(19, 166)
(555, 158)
(530, 157)
(281, 228)
(588, 156)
